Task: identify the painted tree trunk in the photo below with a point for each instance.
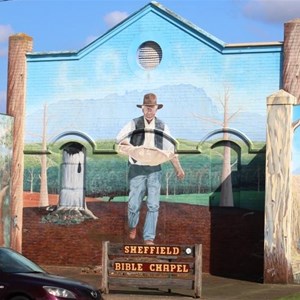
(3, 192)
(296, 225)
(226, 185)
(72, 190)
(44, 198)
(19, 45)
(226, 182)
(278, 206)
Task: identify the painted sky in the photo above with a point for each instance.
(296, 143)
(67, 25)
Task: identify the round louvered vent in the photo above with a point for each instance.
(149, 55)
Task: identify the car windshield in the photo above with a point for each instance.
(13, 262)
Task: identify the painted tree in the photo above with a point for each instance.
(226, 179)
(30, 178)
(71, 207)
(168, 175)
(44, 197)
(32, 172)
(5, 165)
(72, 183)
(3, 193)
(42, 158)
(200, 174)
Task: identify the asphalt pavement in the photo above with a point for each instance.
(213, 288)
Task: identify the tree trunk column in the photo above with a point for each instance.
(291, 67)
(19, 45)
(278, 198)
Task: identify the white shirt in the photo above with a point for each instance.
(149, 142)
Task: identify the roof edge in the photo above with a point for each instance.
(253, 44)
(185, 24)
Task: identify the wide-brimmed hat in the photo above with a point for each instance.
(150, 100)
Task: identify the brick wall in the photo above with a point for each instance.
(232, 238)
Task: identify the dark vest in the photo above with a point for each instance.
(138, 136)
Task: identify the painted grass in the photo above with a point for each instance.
(291, 297)
(244, 199)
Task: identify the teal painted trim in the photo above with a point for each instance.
(105, 152)
(169, 16)
(51, 56)
(189, 151)
(83, 136)
(102, 152)
(37, 152)
(93, 45)
(276, 47)
(235, 132)
(190, 28)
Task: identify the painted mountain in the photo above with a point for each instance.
(188, 111)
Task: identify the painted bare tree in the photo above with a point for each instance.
(168, 176)
(5, 166)
(3, 193)
(200, 174)
(4, 187)
(71, 207)
(43, 160)
(32, 174)
(6, 146)
(226, 180)
(44, 197)
(30, 178)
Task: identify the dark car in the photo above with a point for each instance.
(22, 279)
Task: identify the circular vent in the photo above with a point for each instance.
(149, 55)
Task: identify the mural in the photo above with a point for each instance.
(296, 142)
(6, 146)
(295, 165)
(78, 101)
(147, 142)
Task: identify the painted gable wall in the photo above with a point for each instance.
(190, 80)
(95, 91)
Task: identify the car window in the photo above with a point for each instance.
(13, 262)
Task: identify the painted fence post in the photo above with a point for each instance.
(19, 45)
(278, 198)
(198, 271)
(104, 282)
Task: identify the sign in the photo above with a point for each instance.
(152, 250)
(151, 267)
(154, 266)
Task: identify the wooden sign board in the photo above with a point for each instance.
(152, 266)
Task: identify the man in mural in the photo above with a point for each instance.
(146, 139)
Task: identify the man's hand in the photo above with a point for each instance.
(180, 173)
(176, 164)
